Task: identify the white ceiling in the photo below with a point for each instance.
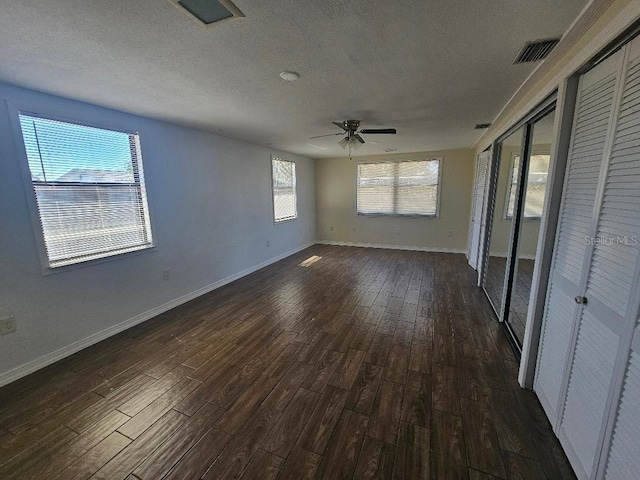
(431, 69)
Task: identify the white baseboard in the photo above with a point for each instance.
(504, 255)
(392, 247)
(41, 362)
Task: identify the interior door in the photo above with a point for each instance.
(587, 367)
(592, 122)
(478, 208)
(609, 311)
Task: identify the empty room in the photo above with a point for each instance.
(320, 239)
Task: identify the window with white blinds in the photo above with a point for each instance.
(89, 189)
(284, 190)
(536, 185)
(399, 188)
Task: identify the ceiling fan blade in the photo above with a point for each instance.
(327, 135)
(369, 131)
(359, 138)
(341, 125)
(344, 142)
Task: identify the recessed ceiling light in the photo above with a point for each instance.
(375, 141)
(289, 76)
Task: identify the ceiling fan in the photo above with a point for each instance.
(352, 133)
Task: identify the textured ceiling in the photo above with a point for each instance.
(431, 69)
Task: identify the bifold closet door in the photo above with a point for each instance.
(623, 458)
(611, 282)
(622, 440)
(592, 122)
(478, 209)
(592, 304)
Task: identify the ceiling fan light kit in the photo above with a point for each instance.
(353, 133)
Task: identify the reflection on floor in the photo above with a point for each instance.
(520, 298)
(494, 280)
(520, 295)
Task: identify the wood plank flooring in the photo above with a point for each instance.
(335, 363)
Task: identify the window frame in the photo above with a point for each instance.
(15, 110)
(509, 216)
(276, 221)
(440, 160)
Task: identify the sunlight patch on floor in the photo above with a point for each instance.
(310, 261)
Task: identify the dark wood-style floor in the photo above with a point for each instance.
(334, 363)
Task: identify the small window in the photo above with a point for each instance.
(284, 190)
(89, 189)
(399, 188)
(536, 185)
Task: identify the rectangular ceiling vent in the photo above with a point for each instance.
(208, 12)
(536, 50)
(482, 126)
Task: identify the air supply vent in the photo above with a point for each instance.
(536, 50)
(482, 126)
(208, 12)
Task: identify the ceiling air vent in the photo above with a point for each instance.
(482, 126)
(208, 12)
(536, 50)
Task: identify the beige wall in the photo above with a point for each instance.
(336, 206)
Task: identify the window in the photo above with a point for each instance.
(284, 190)
(399, 188)
(536, 185)
(89, 189)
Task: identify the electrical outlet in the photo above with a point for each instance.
(331, 228)
(7, 326)
(397, 231)
(450, 233)
(268, 243)
(166, 274)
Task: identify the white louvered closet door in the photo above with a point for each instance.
(624, 460)
(592, 122)
(475, 233)
(597, 261)
(622, 439)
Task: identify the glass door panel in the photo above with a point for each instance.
(496, 270)
(533, 192)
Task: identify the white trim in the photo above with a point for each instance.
(49, 358)
(528, 256)
(392, 247)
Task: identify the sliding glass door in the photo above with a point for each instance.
(496, 271)
(518, 191)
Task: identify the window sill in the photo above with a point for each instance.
(48, 270)
(398, 215)
(284, 220)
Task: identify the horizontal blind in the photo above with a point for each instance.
(89, 189)
(284, 190)
(398, 188)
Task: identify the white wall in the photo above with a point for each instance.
(336, 206)
(211, 214)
